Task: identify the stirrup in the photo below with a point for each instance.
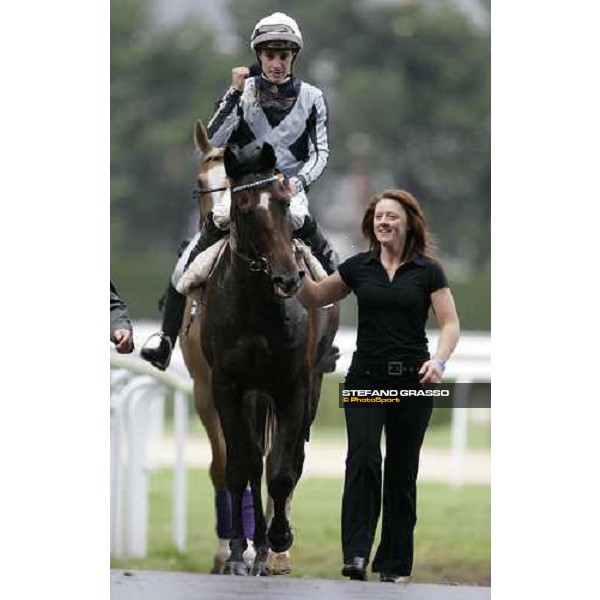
(158, 334)
(156, 356)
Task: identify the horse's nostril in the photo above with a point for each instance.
(286, 284)
(301, 275)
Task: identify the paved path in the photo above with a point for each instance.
(156, 585)
(326, 459)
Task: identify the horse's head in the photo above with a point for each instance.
(261, 223)
(211, 171)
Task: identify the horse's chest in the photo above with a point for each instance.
(254, 357)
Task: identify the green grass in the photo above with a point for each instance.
(452, 535)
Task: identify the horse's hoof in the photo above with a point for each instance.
(259, 568)
(217, 567)
(281, 542)
(249, 554)
(220, 556)
(279, 563)
(235, 567)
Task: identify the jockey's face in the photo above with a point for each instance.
(276, 64)
(390, 223)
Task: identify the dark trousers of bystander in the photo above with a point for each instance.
(404, 424)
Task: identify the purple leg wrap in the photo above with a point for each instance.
(223, 508)
(248, 514)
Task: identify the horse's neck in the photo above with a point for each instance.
(250, 291)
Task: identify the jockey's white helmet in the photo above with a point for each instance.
(276, 31)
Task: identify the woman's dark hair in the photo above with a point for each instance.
(418, 238)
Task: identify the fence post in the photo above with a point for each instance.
(137, 505)
(460, 424)
(116, 481)
(180, 417)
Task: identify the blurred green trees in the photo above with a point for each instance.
(161, 82)
(408, 86)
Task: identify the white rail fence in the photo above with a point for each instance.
(139, 396)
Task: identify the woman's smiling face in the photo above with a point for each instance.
(390, 222)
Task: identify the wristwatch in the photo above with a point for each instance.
(441, 363)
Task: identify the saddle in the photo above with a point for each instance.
(197, 274)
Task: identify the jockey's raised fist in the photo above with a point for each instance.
(238, 75)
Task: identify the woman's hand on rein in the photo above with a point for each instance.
(431, 372)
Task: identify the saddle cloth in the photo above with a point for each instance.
(200, 269)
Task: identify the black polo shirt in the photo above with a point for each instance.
(392, 314)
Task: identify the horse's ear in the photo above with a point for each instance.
(201, 138)
(267, 156)
(231, 161)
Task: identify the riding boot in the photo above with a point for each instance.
(311, 234)
(160, 355)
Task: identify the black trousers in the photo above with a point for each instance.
(404, 424)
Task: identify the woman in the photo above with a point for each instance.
(396, 283)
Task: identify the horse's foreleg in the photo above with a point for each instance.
(236, 476)
(261, 545)
(279, 563)
(284, 469)
(253, 417)
(236, 484)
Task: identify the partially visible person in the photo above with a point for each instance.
(121, 331)
(266, 103)
(396, 283)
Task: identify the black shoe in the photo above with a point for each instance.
(356, 568)
(392, 578)
(159, 356)
(311, 234)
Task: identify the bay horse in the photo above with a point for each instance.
(322, 327)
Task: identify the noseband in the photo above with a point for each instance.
(260, 264)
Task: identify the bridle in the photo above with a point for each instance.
(259, 263)
(241, 188)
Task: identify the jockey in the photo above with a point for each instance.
(275, 107)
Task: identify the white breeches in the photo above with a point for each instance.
(298, 208)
